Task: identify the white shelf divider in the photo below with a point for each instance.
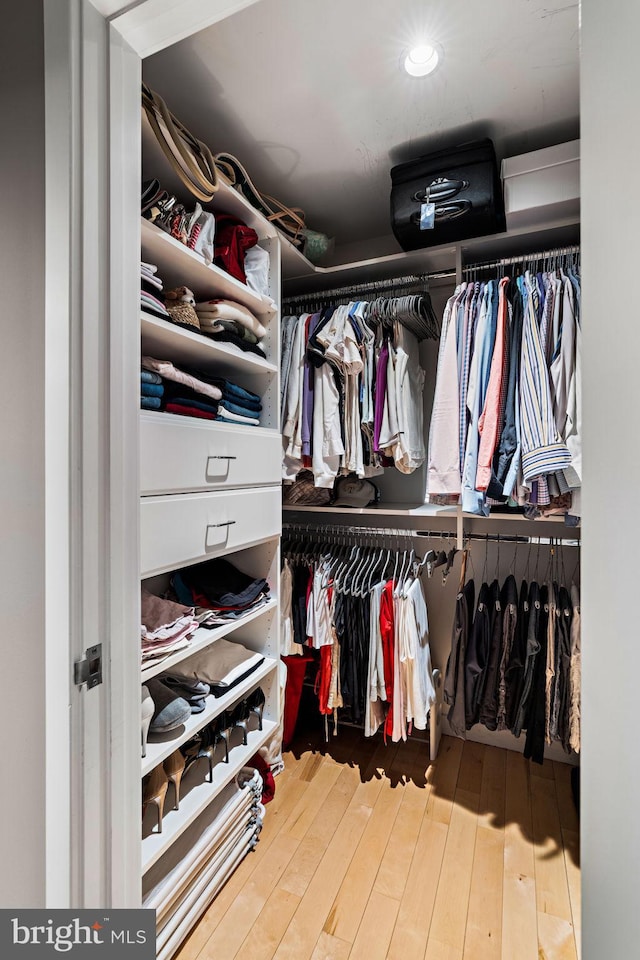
(159, 750)
(204, 638)
(175, 822)
(178, 265)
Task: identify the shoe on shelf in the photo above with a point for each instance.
(198, 749)
(170, 711)
(174, 768)
(154, 790)
(147, 707)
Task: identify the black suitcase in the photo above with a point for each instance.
(465, 186)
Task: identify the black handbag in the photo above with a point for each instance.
(447, 196)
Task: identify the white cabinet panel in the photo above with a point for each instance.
(182, 529)
(178, 454)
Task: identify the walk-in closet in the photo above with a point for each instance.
(346, 610)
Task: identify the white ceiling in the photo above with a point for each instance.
(311, 97)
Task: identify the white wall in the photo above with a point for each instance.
(22, 471)
(610, 824)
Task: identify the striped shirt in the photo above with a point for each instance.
(543, 451)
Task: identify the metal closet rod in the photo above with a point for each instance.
(370, 286)
(338, 529)
(510, 261)
(399, 532)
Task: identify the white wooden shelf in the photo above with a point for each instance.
(198, 798)
(166, 341)
(204, 638)
(161, 416)
(381, 510)
(159, 749)
(178, 265)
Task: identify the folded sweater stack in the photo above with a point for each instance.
(230, 322)
(219, 586)
(165, 626)
(151, 390)
(151, 299)
(195, 393)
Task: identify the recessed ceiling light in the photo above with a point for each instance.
(421, 60)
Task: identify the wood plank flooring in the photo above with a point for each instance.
(370, 853)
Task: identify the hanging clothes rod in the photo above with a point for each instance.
(370, 286)
(327, 530)
(523, 258)
(341, 530)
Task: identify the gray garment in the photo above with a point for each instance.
(509, 601)
(533, 647)
(454, 681)
(288, 326)
(574, 673)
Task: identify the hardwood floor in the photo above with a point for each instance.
(369, 853)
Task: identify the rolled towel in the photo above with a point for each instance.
(150, 403)
(147, 377)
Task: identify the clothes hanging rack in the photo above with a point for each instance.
(342, 530)
(540, 255)
(378, 287)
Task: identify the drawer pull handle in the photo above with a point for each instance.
(222, 457)
(227, 523)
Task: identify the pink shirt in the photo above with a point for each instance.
(489, 423)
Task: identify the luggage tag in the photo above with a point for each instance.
(427, 213)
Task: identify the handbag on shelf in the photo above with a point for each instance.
(191, 159)
(232, 240)
(290, 220)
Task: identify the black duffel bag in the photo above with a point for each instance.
(447, 196)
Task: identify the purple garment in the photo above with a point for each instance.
(307, 391)
(381, 392)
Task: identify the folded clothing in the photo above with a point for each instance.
(151, 389)
(223, 665)
(230, 310)
(158, 614)
(185, 410)
(179, 375)
(222, 584)
(226, 387)
(229, 325)
(147, 377)
(229, 417)
(244, 345)
(150, 403)
(197, 404)
(239, 410)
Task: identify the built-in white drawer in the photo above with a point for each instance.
(182, 454)
(177, 530)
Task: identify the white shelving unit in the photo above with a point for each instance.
(196, 798)
(178, 265)
(203, 638)
(162, 747)
(210, 489)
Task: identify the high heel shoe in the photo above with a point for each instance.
(147, 708)
(154, 790)
(198, 749)
(255, 702)
(174, 768)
